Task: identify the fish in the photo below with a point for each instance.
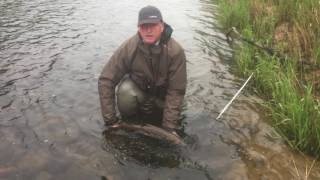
(150, 131)
(5, 171)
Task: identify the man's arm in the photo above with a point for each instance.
(111, 75)
(175, 91)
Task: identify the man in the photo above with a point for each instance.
(149, 71)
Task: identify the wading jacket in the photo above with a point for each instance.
(159, 70)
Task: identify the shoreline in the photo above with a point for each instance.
(290, 85)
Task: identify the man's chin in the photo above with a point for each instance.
(149, 41)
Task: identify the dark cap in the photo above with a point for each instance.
(149, 14)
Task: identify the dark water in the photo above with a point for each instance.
(51, 54)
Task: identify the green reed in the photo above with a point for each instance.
(290, 100)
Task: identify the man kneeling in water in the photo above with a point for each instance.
(149, 72)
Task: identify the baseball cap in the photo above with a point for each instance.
(149, 14)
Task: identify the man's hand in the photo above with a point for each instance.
(111, 124)
(173, 131)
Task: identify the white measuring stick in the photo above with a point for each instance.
(226, 107)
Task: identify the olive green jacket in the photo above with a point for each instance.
(159, 70)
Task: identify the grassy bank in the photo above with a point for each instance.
(290, 83)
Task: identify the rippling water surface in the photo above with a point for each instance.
(51, 54)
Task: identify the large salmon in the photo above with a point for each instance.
(150, 131)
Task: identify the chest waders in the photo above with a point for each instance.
(134, 102)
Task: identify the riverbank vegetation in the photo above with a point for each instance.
(288, 79)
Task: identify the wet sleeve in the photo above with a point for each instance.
(111, 75)
(176, 90)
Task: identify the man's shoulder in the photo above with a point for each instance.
(174, 47)
(133, 40)
(130, 42)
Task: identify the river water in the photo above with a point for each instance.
(51, 54)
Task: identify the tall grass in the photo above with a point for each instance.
(293, 108)
(232, 14)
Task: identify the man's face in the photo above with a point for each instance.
(150, 32)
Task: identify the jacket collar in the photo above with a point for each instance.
(166, 34)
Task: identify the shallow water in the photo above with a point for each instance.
(51, 54)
